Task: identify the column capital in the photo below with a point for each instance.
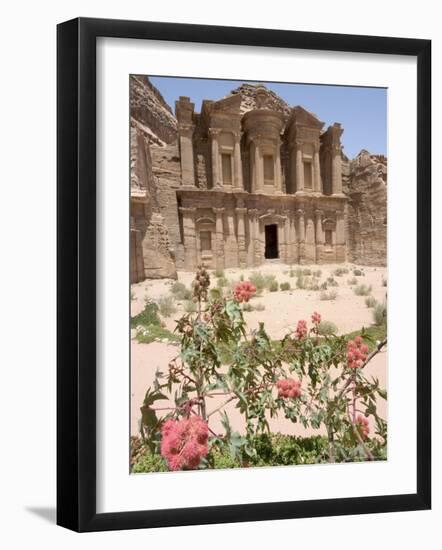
(218, 211)
(213, 132)
(240, 210)
(253, 212)
(183, 127)
(300, 211)
(319, 212)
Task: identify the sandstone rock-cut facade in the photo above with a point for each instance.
(246, 181)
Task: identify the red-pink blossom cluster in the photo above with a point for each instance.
(356, 353)
(316, 318)
(287, 387)
(243, 291)
(362, 426)
(184, 442)
(301, 329)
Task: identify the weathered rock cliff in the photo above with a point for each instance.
(153, 126)
(365, 183)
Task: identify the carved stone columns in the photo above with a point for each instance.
(219, 237)
(238, 179)
(189, 237)
(319, 235)
(186, 155)
(242, 253)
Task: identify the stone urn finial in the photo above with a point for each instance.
(261, 96)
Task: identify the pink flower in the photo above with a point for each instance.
(362, 426)
(184, 442)
(287, 387)
(301, 329)
(243, 291)
(316, 318)
(356, 353)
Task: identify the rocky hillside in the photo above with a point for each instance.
(149, 109)
(152, 126)
(365, 183)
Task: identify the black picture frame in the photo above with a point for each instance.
(76, 274)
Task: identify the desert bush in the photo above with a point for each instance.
(323, 286)
(284, 286)
(257, 279)
(269, 282)
(155, 333)
(166, 306)
(328, 295)
(380, 314)
(132, 297)
(327, 328)
(317, 273)
(362, 290)
(314, 285)
(352, 281)
(300, 283)
(222, 282)
(331, 281)
(273, 286)
(189, 306)
(340, 271)
(149, 316)
(370, 301)
(180, 291)
(259, 307)
(307, 272)
(358, 272)
(247, 307)
(218, 273)
(384, 281)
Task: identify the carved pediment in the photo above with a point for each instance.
(230, 104)
(302, 117)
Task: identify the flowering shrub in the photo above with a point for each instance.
(243, 291)
(301, 329)
(362, 426)
(320, 383)
(356, 353)
(316, 318)
(184, 442)
(288, 388)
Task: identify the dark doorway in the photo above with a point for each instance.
(271, 250)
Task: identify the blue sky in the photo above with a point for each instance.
(361, 111)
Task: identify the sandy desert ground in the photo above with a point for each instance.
(282, 311)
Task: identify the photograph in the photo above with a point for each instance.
(258, 270)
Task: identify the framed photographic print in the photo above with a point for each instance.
(243, 274)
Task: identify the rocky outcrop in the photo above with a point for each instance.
(153, 126)
(365, 183)
(149, 109)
